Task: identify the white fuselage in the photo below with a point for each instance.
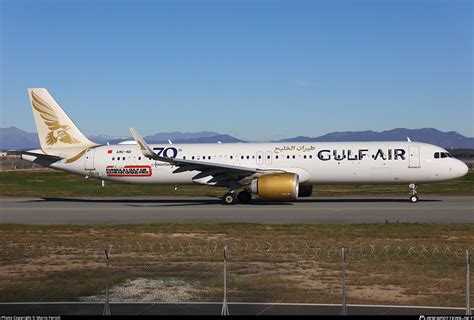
(314, 162)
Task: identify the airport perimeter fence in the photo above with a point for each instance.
(257, 271)
(10, 163)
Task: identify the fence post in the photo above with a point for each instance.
(344, 306)
(468, 283)
(107, 306)
(225, 307)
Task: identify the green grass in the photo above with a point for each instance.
(56, 184)
(419, 264)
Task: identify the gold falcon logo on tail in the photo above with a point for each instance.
(57, 131)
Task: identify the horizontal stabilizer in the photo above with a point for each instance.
(41, 156)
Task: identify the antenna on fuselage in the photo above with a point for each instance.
(169, 141)
(408, 139)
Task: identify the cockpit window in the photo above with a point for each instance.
(438, 155)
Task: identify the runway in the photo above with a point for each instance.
(430, 209)
(193, 308)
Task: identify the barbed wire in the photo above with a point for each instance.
(262, 248)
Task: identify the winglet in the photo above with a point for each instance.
(144, 147)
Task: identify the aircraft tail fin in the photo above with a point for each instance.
(55, 129)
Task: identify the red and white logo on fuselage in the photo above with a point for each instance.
(128, 171)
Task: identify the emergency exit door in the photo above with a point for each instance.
(268, 157)
(259, 158)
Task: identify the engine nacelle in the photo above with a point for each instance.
(305, 190)
(276, 186)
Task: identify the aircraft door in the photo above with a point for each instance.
(268, 157)
(414, 157)
(89, 159)
(260, 158)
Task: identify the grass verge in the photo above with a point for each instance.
(419, 264)
(59, 184)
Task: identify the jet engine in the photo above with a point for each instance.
(305, 190)
(276, 186)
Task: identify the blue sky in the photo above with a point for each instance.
(257, 70)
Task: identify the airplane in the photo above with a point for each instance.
(270, 171)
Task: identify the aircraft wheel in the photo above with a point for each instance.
(413, 199)
(229, 198)
(244, 196)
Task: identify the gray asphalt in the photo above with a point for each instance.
(430, 209)
(215, 309)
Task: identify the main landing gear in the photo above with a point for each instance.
(230, 198)
(412, 193)
(244, 197)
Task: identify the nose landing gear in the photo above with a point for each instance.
(230, 198)
(412, 193)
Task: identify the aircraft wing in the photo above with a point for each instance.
(222, 174)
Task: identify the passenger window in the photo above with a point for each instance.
(293, 156)
(123, 158)
(248, 157)
(231, 157)
(241, 157)
(436, 155)
(304, 157)
(192, 157)
(444, 155)
(184, 158)
(276, 157)
(268, 157)
(113, 158)
(288, 157)
(139, 158)
(209, 158)
(310, 156)
(260, 157)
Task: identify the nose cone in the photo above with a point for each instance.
(462, 169)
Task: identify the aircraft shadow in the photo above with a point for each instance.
(132, 201)
(339, 200)
(158, 202)
(217, 201)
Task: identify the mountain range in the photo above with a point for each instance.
(449, 139)
(17, 139)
